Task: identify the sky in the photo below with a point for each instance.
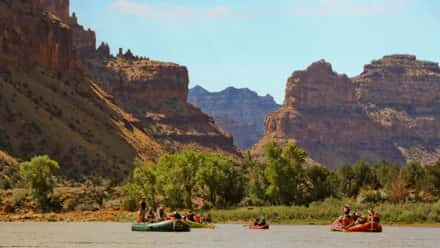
(258, 44)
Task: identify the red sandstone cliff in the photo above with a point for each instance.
(386, 113)
(27, 37)
(47, 106)
(84, 41)
(156, 93)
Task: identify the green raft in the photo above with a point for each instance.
(199, 225)
(164, 226)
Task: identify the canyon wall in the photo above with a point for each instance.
(240, 112)
(48, 106)
(26, 38)
(60, 8)
(389, 112)
(156, 93)
(84, 41)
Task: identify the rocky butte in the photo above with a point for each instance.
(241, 112)
(388, 112)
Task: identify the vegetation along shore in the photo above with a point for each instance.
(282, 188)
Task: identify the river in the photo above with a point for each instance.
(119, 235)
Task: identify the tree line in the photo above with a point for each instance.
(283, 178)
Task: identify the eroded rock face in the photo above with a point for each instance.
(386, 113)
(27, 38)
(59, 8)
(48, 106)
(241, 112)
(84, 41)
(156, 93)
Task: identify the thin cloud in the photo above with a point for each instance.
(169, 11)
(144, 9)
(348, 7)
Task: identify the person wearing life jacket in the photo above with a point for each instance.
(175, 216)
(346, 219)
(190, 216)
(358, 219)
(262, 222)
(161, 213)
(373, 217)
(256, 222)
(151, 215)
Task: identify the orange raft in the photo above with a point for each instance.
(256, 227)
(337, 226)
(366, 227)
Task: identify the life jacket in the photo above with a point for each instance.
(197, 218)
(346, 220)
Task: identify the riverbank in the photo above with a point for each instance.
(322, 213)
(79, 204)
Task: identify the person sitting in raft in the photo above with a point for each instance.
(190, 216)
(175, 215)
(358, 219)
(142, 211)
(373, 216)
(161, 213)
(256, 222)
(151, 215)
(346, 219)
(207, 219)
(262, 222)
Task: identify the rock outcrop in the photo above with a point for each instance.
(84, 41)
(28, 37)
(241, 112)
(48, 106)
(156, 93)
(60, 8)
(386, 113)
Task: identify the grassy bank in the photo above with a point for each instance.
(327, 211)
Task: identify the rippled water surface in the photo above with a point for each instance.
(119, 235)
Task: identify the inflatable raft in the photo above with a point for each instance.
(259, 227)
(366, 227)
(337, 226)
(193, 224)
(164, 226)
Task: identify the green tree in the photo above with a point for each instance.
(363, 176)
(284, 173)
(211, 177)
(39, 174)
(145, 181)
(347, 180)
(255, 180)
(386, 173)
(414, 175)
(317, 176)
(433, 177)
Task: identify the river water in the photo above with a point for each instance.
(119, 235)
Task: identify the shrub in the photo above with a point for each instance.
(133, 195)
(18, 196)
(371, 196)
(39, 177)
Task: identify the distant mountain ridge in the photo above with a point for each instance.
(241, 112)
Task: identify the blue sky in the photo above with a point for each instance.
(258, 44)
